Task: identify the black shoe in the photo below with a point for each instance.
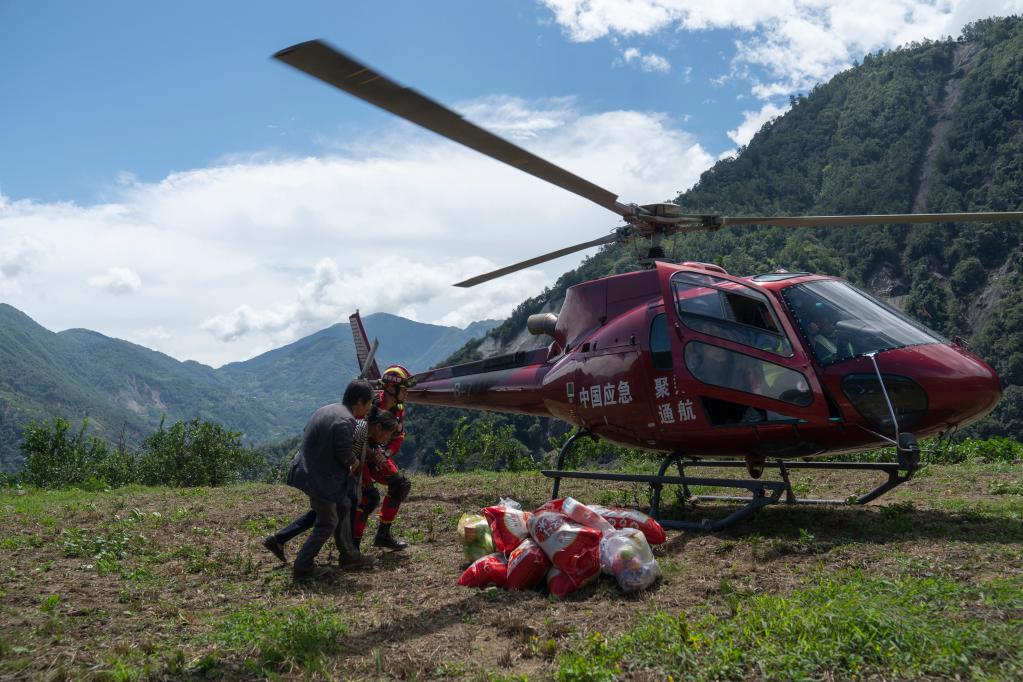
(386, 540)
(276, 548)
(305, 575)
(357, 562)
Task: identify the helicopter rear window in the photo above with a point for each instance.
(840, 322)
(660, 347)
(729, 310)
(726, 368)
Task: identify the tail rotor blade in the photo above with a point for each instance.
(364, 353)
(369, 368)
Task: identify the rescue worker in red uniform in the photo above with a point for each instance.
(395, 382)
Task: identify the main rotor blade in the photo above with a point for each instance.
(890, 219)
(331, 66)
(480, 279)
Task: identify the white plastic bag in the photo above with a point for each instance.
(626, 555)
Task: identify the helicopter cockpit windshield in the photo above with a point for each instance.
(841, 322)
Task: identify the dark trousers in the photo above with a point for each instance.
(296, 527)
(326, 522)
(338, 516)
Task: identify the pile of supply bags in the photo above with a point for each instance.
(564, 541)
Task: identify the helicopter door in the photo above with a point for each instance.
(733, 352)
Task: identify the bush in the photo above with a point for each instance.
(194, 453)
(991, 450)
(484, 444)
(190, 453)
(57, 457)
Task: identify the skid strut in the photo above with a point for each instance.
(761, 492)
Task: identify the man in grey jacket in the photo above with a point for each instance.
(322, 469)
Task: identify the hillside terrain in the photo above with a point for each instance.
(933, 127)
(125, 389)
(137, 583)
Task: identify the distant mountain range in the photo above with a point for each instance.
(125, 388)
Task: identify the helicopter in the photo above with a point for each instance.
(703, 367)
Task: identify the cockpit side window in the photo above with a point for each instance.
(660, 346)
(729, 310)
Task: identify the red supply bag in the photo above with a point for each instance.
(630, 518)
(561, 585)
(572, 548)
(507, 524)
(527, 566)
(584, 515)
(552, 506)
(491, 569)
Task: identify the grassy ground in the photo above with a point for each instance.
(926, 583)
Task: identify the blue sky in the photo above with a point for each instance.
(164, 181)
(102, 89)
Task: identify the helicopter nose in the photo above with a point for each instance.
(959, 387)
(972, 393)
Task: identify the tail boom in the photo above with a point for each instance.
(508, 383)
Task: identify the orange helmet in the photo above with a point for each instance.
(396, 375)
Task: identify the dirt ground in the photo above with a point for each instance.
(138, 583)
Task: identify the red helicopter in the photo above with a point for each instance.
(692, 361)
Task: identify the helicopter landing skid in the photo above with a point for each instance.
(762, 492)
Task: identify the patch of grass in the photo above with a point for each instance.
(106, 546)
(1006, 488)
(414, 535)
(37, 504)
(21, 541)
(180, 514)
(119, 668)
(262, 526)
(198, 558)
(50, 603)
(849, 626)
(279, 639)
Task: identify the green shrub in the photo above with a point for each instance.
(188, 454)
(193, 453)
(57, 457)
(996, 449)
(484, 444)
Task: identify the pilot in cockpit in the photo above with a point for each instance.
(823, 335)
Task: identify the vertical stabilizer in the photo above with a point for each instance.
(363, 351)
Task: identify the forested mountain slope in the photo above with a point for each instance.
(294, 380)
(122, 388)
(928, 128)
(125, 389)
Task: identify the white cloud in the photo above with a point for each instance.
(752, 121)
(17, 255)
(651, 63)
(329, 296)
(248, 255)
(117, 281)
(514, 117)
(797, 43)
